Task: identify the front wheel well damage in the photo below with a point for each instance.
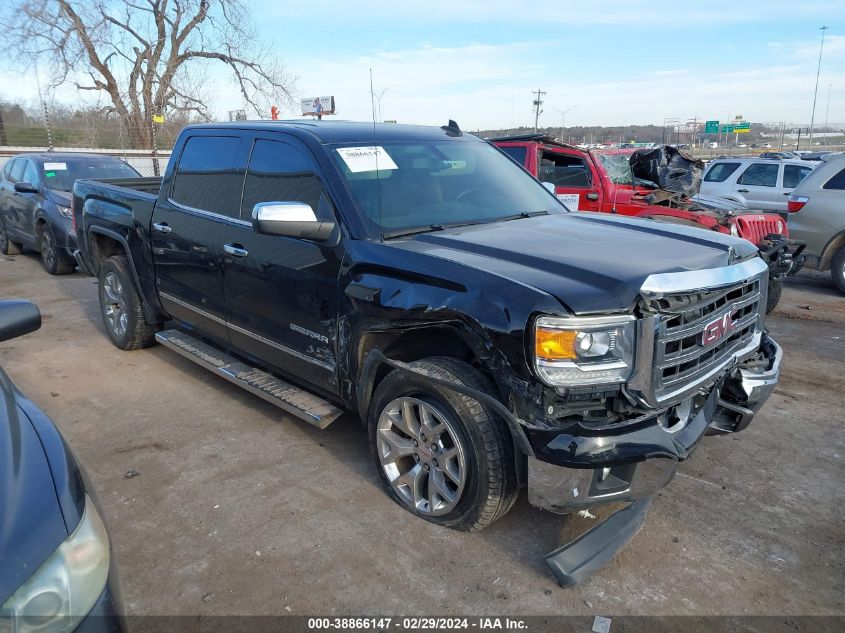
(406, 345)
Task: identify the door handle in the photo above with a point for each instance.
(592, 196)
(742, 190)
(786, 193)
(162, 227)
(235, 250)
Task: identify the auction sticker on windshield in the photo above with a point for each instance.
(55, 166)
(569, 199)
(369, 158)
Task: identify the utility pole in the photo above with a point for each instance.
(537, 111)
(816, 92)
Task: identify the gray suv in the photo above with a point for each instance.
(817, 217)
(755, 183)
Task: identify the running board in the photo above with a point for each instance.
(302, 404)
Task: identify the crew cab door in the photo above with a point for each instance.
(281, 292)
(757, 186)
(575, 183)
(187, 225)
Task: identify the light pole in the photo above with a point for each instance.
(378, 98)
(816, 92)
(563, 119)
(827, 110)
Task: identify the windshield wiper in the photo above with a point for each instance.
(521, 215)
(412, 231)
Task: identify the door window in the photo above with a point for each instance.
(837, 182)
(30, 174)
(563, 170)
(7, 170)
(793, 174)
(17, 170)
(760, 175)
(209, 175)
(279, 172)
(720, 172)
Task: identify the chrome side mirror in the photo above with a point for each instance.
(290, 219)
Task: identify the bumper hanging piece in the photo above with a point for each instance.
(575, 562)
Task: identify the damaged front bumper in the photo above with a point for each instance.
(573, 472)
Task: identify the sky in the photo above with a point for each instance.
(611, 62)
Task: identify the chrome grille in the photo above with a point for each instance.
(681, 357)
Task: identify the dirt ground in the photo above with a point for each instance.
(239, 509)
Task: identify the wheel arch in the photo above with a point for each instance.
(405, 344)
(830, 249)
(102, 244)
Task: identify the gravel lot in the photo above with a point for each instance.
(238, 509)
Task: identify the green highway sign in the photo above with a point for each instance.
(742, 126)
(711, 127)
(727, 128)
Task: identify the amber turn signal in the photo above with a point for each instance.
(555, 344)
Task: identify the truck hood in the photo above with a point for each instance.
(589, 262)
(31, 521)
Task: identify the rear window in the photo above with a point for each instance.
(793, 174)
(210, 175)
(720, 172)
(760, 175)
(837, 182)
(517, 153)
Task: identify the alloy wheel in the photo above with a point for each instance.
(114, 305)
(48, 253)
(422, 455)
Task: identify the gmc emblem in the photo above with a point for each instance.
(718, 328)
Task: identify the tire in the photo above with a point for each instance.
(775, 292)
(837, 269)
(55, 260)
(8, 247)
(121, 307)
(478, 469)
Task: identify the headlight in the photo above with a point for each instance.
(64, 211)
(569, 352)
(66, 587)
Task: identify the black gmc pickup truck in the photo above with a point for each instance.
(489, 339)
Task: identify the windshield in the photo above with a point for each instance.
(434, 184)
(60, 174)
(618, 168)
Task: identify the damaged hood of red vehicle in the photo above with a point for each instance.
(589, 262)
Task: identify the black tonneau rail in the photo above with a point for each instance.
(147, 185)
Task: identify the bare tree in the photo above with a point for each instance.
(147, 57)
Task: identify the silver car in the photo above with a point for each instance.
(817, 217)
(756, 183)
